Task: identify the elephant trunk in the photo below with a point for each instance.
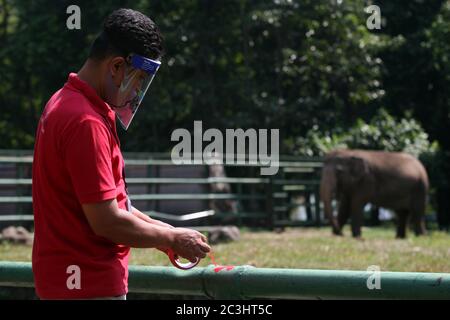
(327, 189)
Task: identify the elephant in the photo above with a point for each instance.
(393, 180)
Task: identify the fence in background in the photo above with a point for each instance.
(173, 192)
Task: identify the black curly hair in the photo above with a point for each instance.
(128, 31)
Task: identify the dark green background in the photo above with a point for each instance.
(308, 67)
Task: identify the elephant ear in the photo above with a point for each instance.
(358, 168)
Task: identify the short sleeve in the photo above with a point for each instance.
(88, 161)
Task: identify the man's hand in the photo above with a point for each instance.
(189, 244)
(182, 235)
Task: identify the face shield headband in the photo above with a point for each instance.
(138, 77)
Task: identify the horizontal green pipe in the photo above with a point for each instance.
(16, 217)
(153, 155)
(245, 282)
(195, 196)
(168, 162)
(16, 274)
(15, 181)
(15, 199)
(188, 217)
(160, 196)
(209, 180)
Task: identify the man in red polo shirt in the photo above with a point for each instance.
(84, 222)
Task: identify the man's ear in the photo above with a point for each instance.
(117, 67)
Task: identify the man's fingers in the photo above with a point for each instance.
(192, 245)
(202, 236)
(204, 247)
(191, 257)
(201, 254)
(197, 253)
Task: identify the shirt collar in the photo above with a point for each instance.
(99, 105)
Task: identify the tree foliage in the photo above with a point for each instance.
(383, 132)
(296, 65)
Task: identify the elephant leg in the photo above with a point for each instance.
(402, 220)
(419, 226)
(357, 207)
(343, 214)
(417, 215)
(374, 216)
(418, 223)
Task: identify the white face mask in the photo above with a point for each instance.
(138, 77)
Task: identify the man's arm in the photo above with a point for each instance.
(146, 218)
(121, 227)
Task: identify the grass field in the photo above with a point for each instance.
(309, 248)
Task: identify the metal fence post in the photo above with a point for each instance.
(269, 204)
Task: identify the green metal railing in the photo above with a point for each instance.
(246, 282)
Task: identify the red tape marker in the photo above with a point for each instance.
(174, 259)
(217, 267)
(176, 262)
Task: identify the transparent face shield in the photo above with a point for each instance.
(138, 77)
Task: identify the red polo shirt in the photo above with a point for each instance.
(77, 160)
